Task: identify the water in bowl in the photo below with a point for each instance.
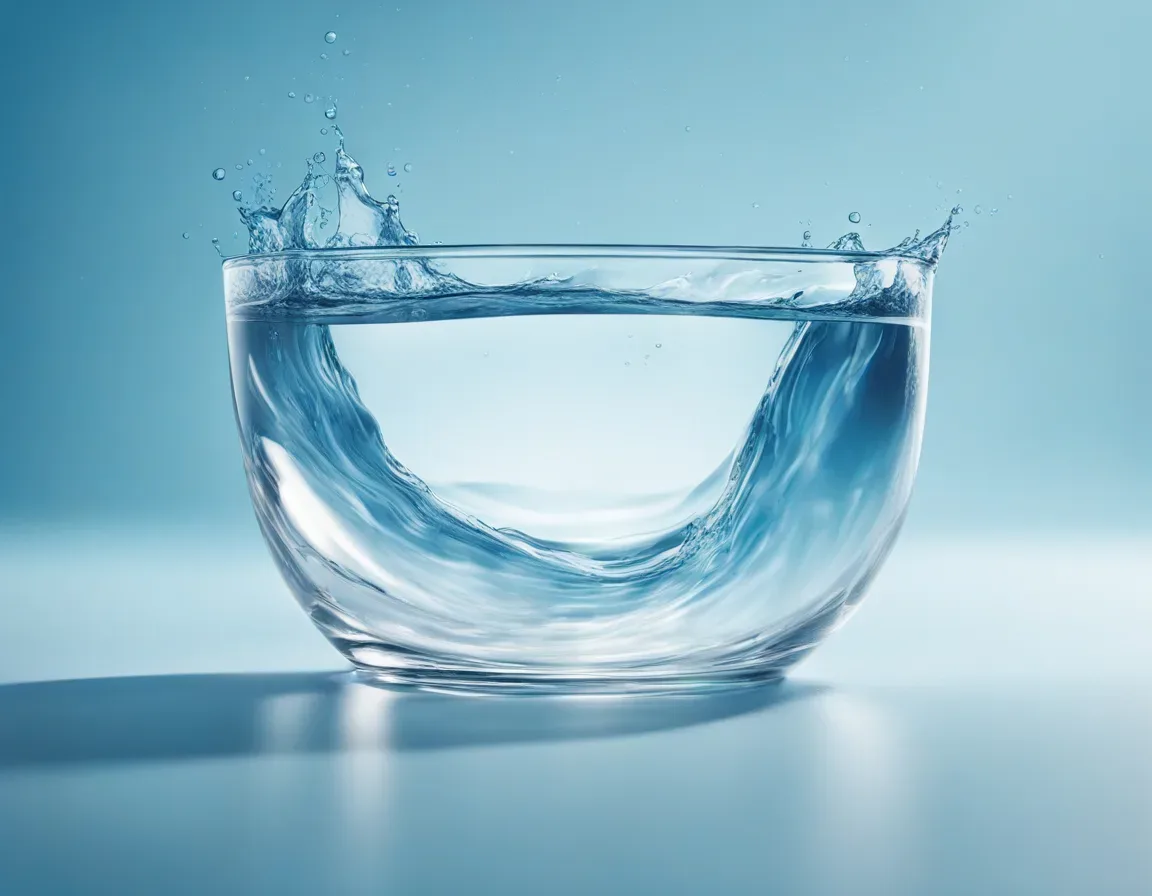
(550, 479)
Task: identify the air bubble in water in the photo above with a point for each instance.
(408, 167)
(854, 217)
(237, 195)
(330, 113)
(218, 174)
(319, 157)
(330, 37)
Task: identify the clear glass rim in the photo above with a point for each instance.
(576, 250)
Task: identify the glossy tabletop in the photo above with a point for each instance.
(170, 723)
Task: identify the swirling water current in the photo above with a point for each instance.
(676, 471)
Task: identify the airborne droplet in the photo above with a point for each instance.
(218, 174)
(319, 157)
(308, 98)
(391, 170)
(330, 113)
(237, 195)
(408, 167)
(854, 217)
(330, 37)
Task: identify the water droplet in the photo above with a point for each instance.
(330, 113)
(978, 209)
(237, 195)
(186, 235)
(1101, 255)
(324, 131)
(323, 55)
(755, 205)
(627, 363)
(939, 184)
(347, 52)
(218, 174)
(235, 235)
(250, 163)
(993, 211)
(687, 128)
(239, 167)
(957, 209)
(319, 157)
(959, 190)
(291, 94)
(967, 223)
(1009, 195)
(408, 167)
(263, 151)
(391, 170)
(807, 235)
(659, 345)
(215, 240)
(308, 98)
(330, 37)
(854, 217)
(247, 77)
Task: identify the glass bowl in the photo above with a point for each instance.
(578, 468)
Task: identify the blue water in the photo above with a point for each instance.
(521, 477)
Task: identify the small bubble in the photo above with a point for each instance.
(186, 235)
(347, 52)
(408, 167)
(319, 157)
(324, 131)
(263, 151)
(978, 209)
(330, 37)
(854, 217)
(391, 170)
(237, 195)
(330, 113)
(291, 94)
(218, 174)
(308, 98)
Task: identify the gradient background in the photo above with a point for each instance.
(541, 122)
(982, 727)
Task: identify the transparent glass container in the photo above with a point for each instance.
(578, 468)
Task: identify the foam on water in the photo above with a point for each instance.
(752, 562)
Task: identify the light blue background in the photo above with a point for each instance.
(529, 121)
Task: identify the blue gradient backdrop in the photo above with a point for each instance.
(590, 121)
